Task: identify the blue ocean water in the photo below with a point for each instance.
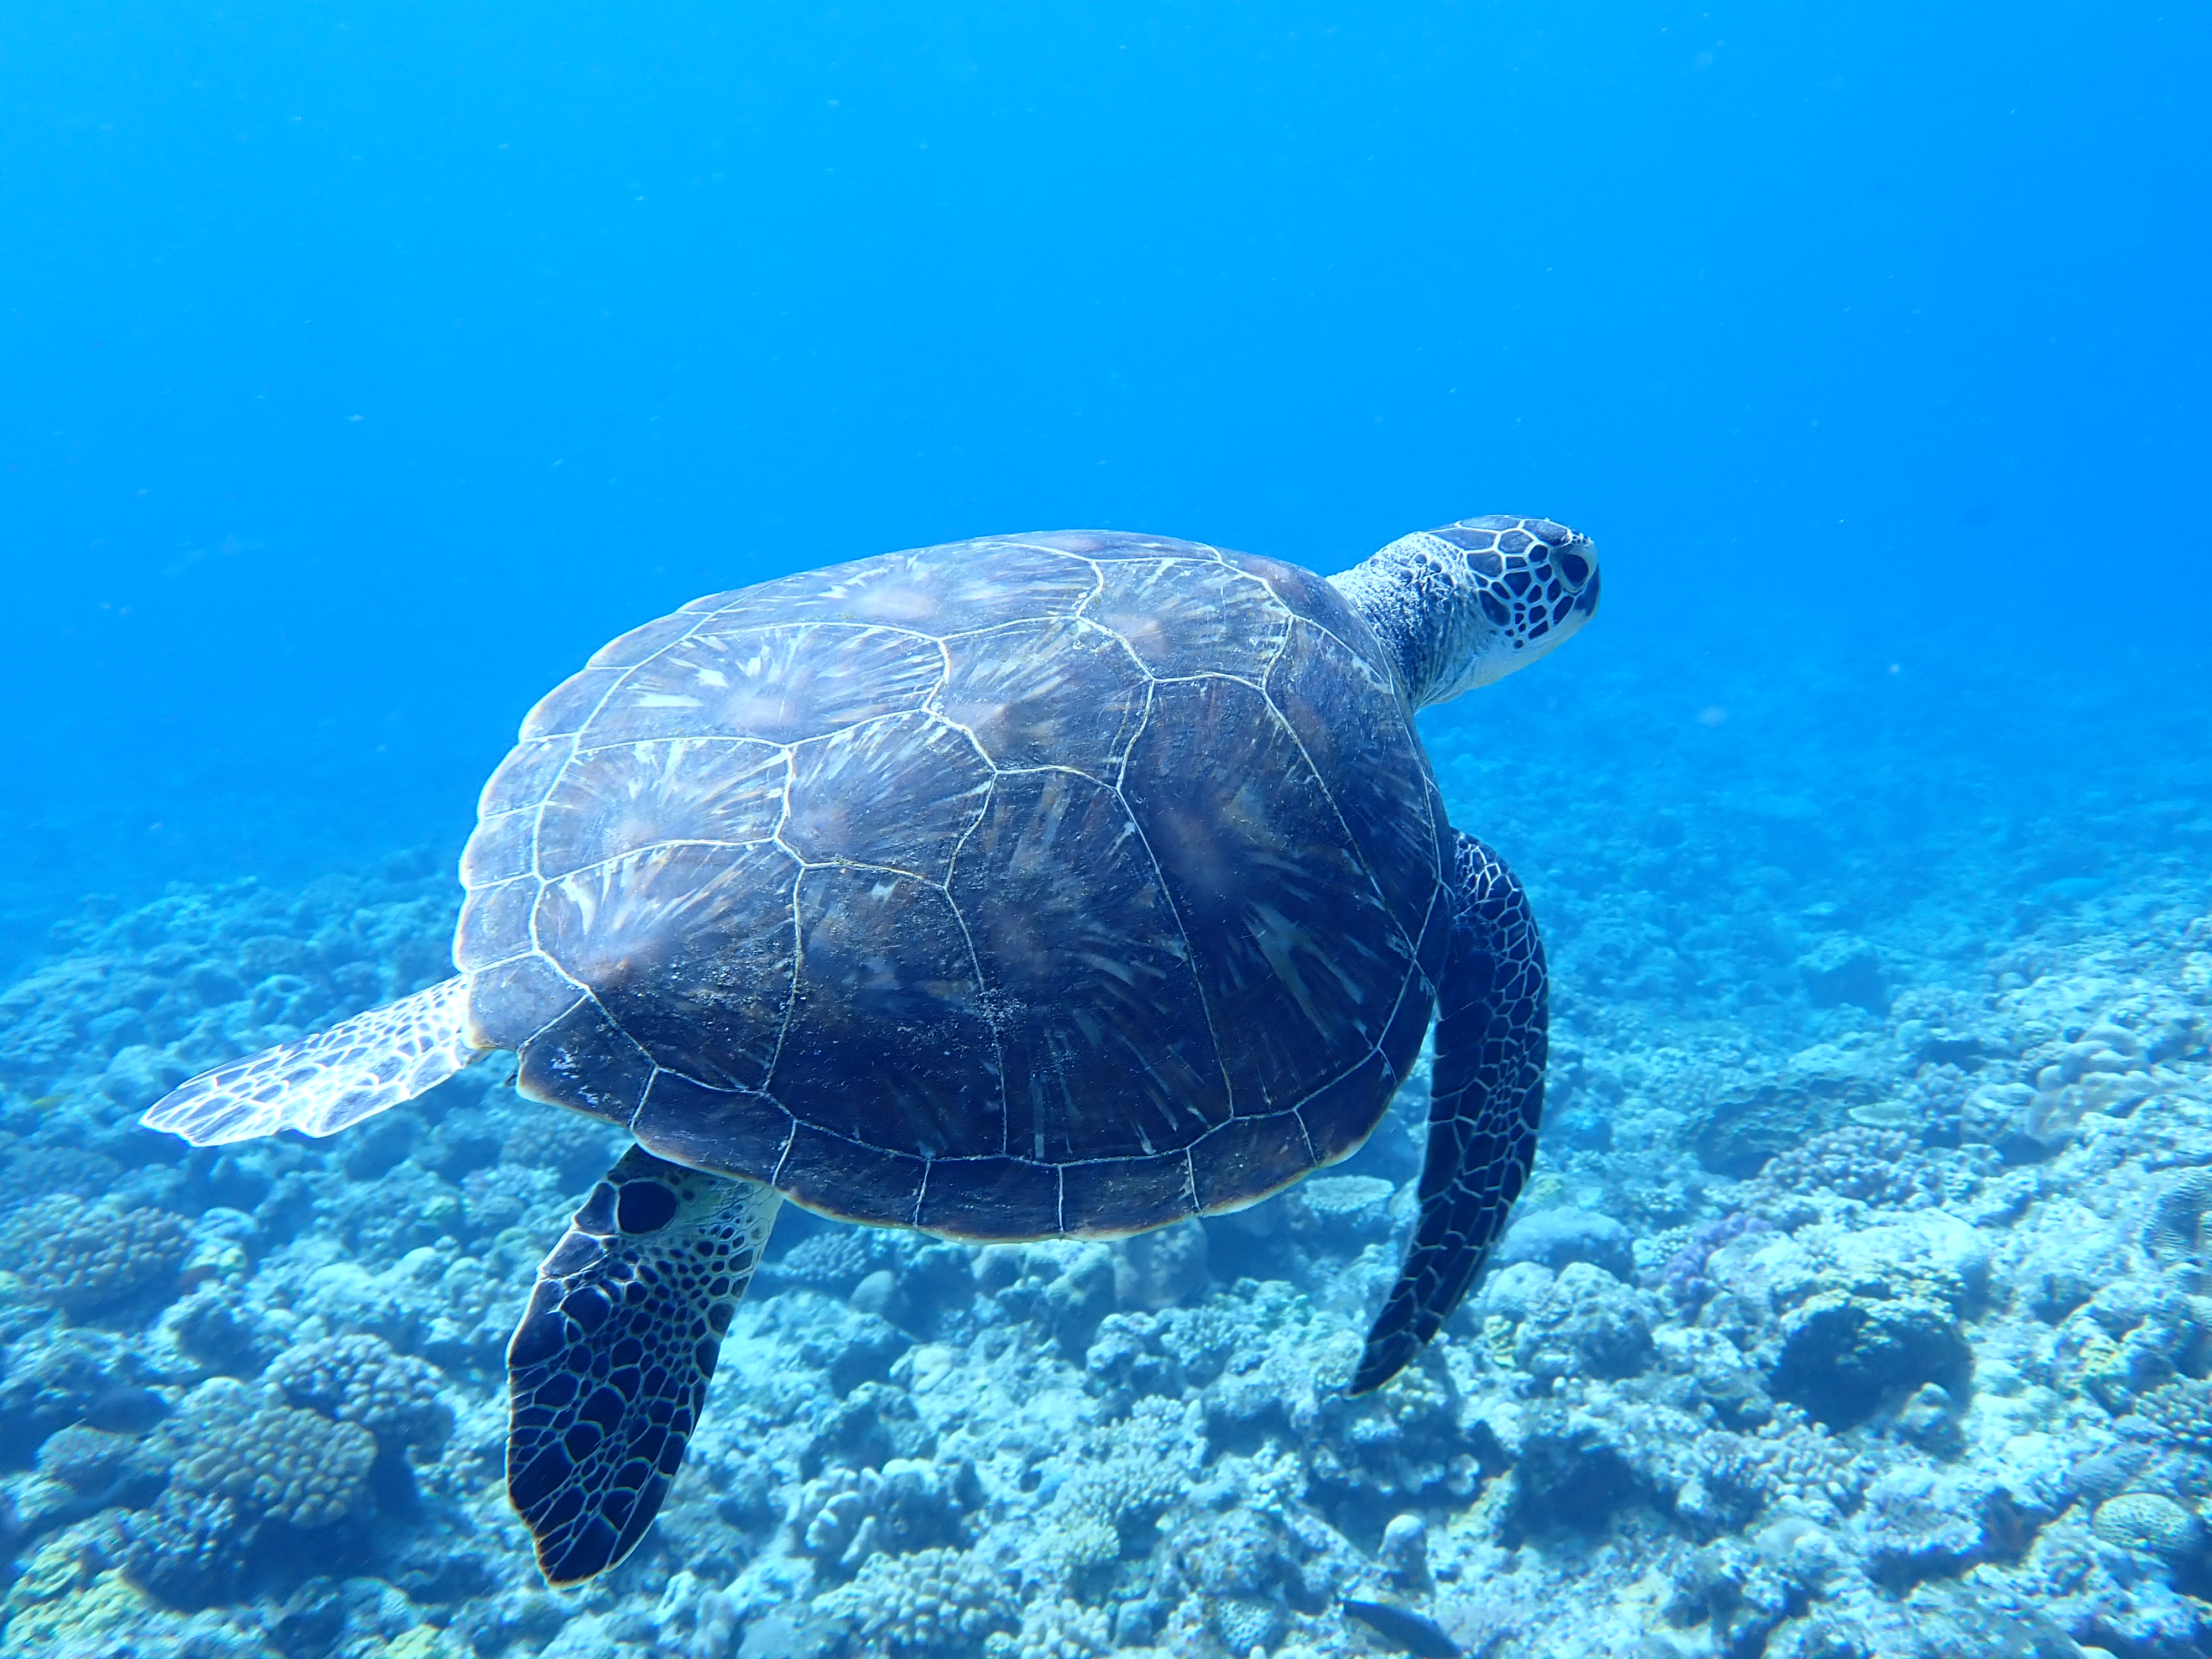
(364, 369)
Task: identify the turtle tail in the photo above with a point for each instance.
(323, 1084)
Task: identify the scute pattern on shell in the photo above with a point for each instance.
(1056, 883)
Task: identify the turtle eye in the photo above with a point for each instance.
(1575, 567)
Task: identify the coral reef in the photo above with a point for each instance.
(2144, 1521)
(1860, 1304)
(271, 1460)
(940, 1602)
(1874, 1165)
(363, 1379)
(2180, 1411)
(88, 1259)
(188, 1548)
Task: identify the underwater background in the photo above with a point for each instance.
(363, 368)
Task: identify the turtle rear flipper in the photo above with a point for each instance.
(608, 1371)
(328, 1082)
(1487, 1098)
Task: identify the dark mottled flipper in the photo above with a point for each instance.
(608, 1370)
(1487, 1096)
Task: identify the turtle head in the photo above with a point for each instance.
(1468, 602)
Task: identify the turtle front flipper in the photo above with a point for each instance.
(1486, 1098)
(608, 1371)
(328, 1082)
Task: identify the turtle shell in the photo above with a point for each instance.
(1042, 884)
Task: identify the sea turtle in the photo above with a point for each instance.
(1036, 886)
